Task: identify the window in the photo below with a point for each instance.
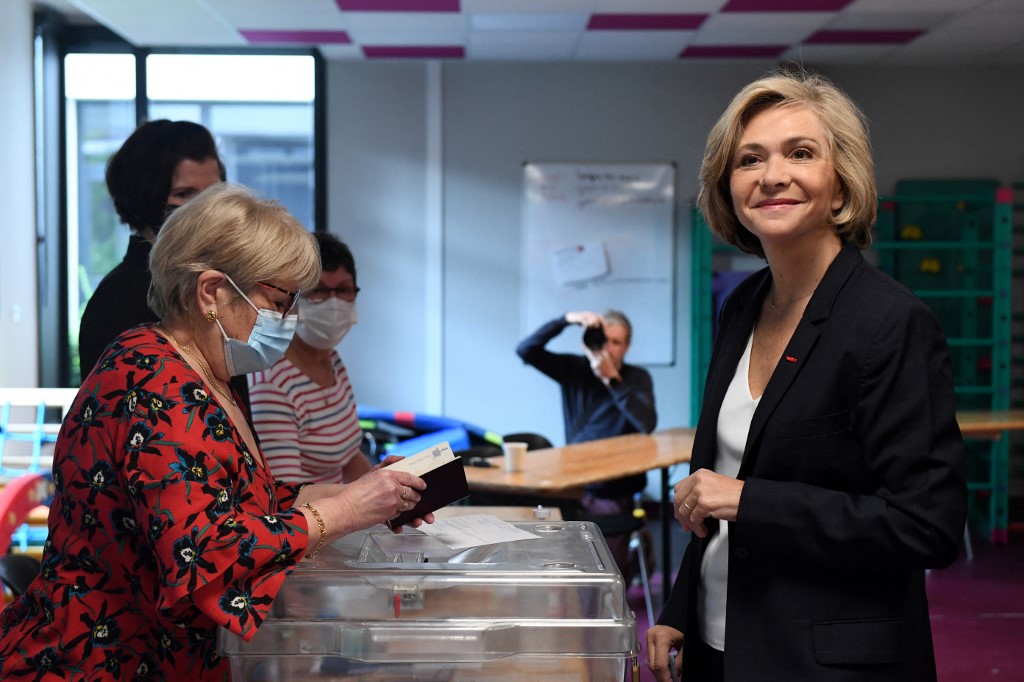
(259, 107)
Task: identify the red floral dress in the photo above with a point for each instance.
(164, 528)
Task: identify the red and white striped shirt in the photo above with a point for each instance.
(307, 433)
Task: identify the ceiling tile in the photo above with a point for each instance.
(830, 37)
(915, 6)
(367, 28)
(296, 37)
(156, 23)
(785, 5)
(504, 45)
(657, 6)
(888, 21)
(398, 5)
(943, 31)
(645, 22)
(414, 51)
(342, 52)
(526, 6)
(625, 45)
(732, 51)
(758, 28)
(272, 15)
(838, 54)
(525, 24)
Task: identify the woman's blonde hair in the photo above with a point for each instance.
(230, 229)
(846, 131)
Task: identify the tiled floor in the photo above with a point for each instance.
(977, 611)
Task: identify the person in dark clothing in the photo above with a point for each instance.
(602, 396)
(161, 166)
(828, 469)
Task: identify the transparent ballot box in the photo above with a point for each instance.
(380, 607)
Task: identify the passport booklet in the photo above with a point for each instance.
(444, 475)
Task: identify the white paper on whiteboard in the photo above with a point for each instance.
(580, 263)
(629, 210)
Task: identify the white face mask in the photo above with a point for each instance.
(268, 340)
(323, 325)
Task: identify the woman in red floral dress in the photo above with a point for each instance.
(167, 523)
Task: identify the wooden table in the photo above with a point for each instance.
(564, 471)
(503, 513)
(990, 423)
(994, 425)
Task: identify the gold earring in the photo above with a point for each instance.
(211, 315)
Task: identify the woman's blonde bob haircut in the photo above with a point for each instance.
(846, 131)
(229, 229)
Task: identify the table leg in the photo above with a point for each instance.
(666, 543)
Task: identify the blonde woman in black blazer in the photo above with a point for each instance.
(827, 469)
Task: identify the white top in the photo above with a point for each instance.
(307, 432)
(733, 426)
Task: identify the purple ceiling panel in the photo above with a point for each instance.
(785, 5)
(645, 22)
(862, 37)
(414, 52)
(732, 51)
(300, 37)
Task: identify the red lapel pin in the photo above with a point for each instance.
(790, 358)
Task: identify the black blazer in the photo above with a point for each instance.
(854, 483)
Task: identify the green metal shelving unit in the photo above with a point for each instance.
(950, 243)
(701, 310)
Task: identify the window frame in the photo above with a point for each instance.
(54, 40)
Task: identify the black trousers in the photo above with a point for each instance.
(702, 663)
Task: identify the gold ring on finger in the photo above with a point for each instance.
(687, 506)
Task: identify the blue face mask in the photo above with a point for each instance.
(269, 339)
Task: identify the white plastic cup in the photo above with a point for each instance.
(515, 454)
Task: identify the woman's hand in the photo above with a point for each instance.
(380, 495)
(705, 494)
(661, 640)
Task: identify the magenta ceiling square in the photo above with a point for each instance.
(785, 5)
(398, 5)
(645, 22)
(862, 37)
(301, 37)
(414, 52)
(732, 51)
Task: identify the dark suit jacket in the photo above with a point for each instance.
(854, 484)
(119, 303)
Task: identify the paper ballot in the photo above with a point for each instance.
(462, 532)
(445, 478)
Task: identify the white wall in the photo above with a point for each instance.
(377, 155)
(19, 358)
(949, 122)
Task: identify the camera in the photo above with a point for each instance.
(594, 337)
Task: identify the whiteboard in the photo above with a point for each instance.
(600, 236)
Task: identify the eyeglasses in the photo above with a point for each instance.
(293, 296)
(321, 294)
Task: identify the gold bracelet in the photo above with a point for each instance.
(323, 529)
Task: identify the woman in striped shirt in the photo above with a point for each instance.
(303, 407)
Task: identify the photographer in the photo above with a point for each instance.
(602, 396)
